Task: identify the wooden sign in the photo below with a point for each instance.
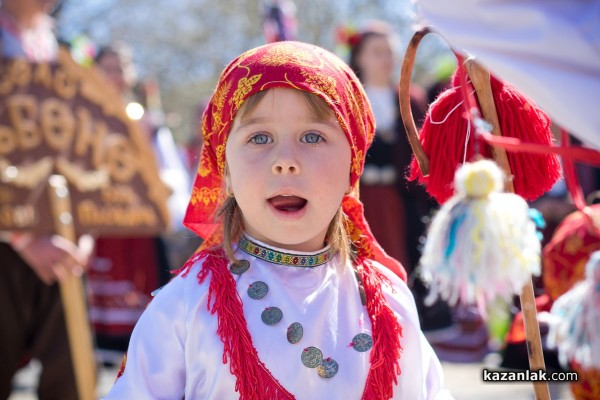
(62, 118)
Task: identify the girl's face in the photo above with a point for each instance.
(375, 60)
(288, 170)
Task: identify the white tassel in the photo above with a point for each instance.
(576, 327)
(481, 244)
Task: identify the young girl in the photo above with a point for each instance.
(292, 297)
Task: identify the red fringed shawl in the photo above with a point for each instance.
(253, 379)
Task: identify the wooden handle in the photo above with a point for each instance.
(73, 297)
(533, 339)
(404, 98)
(480, 78)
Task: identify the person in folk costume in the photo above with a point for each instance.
(125, 269)
(116, 63)
(291, 297)
(383, 183)
(31, 312)
(394, 207)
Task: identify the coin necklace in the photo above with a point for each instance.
(311, 357)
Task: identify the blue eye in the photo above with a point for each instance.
(260, 138)
(312, 138)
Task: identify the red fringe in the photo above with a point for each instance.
(385, 355)
(444, 143)
(253, 379)
(534, 174)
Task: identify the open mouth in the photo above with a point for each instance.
(287, 203)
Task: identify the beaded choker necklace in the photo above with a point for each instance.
(289, 259)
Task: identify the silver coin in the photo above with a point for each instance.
(240, 267)
(362, 342)
(295, 332)
(271, 315)
(258, 290)
(311, 357)
(328, 368)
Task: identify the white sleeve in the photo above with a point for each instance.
(434, 375)
(418, 381)
(549, 50)
(155, 365)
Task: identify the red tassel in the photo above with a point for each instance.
(387, 331)
(444, 132)
(534, 174)
(443, 138)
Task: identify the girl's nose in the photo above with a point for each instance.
(286, 163)
(284, 167)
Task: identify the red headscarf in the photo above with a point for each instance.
(285, 65)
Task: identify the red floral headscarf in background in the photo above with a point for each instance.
(285, 65)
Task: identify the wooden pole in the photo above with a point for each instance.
(73, 297)
(480, 78)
